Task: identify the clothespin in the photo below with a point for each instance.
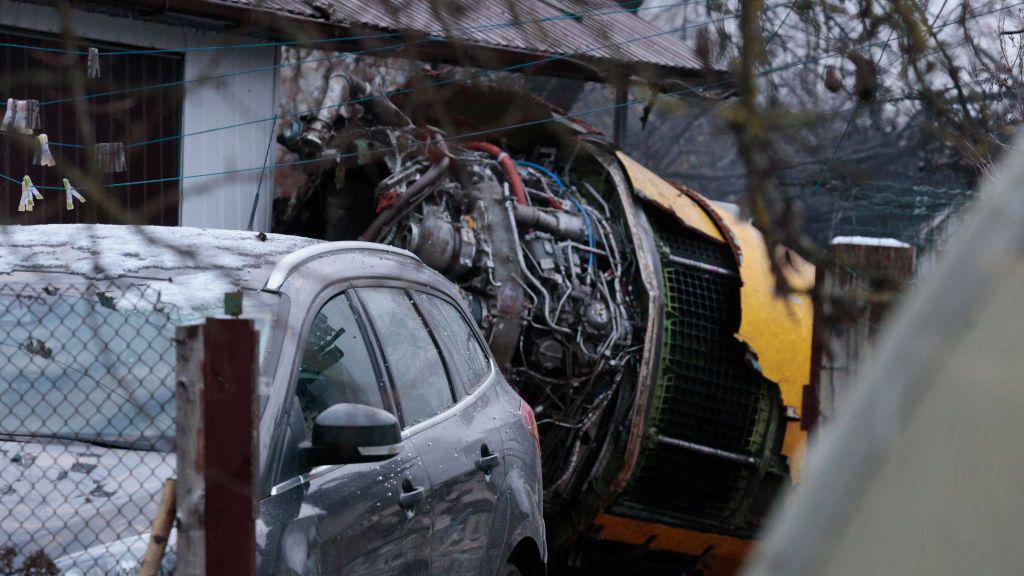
(21, 120)
(70, 194)
(29, 195)
(110, 156)
(34, 123)
(43, 156)
(93, 65)
(8, 122)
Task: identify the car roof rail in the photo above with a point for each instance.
(284, 268)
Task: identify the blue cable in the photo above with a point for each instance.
(441, 31)
(483, 73)
(478, 133)
(432, 38)
(549, 173)
(571, 197)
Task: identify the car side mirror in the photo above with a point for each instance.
(352, 433)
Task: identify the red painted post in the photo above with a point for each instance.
(230, 371)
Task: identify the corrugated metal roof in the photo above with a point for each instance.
(602, 30)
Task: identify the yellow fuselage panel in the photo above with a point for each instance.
(777, 328)
(654, 189)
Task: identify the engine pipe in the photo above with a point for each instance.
(412, 194)
(561, 224)
(507, 165)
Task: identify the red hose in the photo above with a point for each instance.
(507, 165)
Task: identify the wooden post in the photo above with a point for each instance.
(230, 371)
(190, 468)
(217, 451)
(161, 532)
(855, 293)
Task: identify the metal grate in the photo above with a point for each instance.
(708, 396)
(86, 425)
(697, 248)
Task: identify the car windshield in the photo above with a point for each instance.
(98, 365)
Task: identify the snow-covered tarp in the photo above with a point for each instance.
(200, 264)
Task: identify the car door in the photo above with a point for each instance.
(462, 451)
(352, 519)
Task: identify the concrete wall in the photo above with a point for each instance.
(208, 201)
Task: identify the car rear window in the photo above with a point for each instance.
(467, 359)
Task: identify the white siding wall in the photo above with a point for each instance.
(212, 201)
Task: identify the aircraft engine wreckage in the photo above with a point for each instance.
(637, 318)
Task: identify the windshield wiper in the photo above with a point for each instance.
(121, 444)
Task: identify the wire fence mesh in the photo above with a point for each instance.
(86, 425)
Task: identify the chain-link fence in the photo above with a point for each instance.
(87, 423)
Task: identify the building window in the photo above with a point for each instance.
(128, 111)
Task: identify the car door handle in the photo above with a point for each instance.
(487, 463)
(411, 496)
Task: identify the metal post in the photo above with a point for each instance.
(621, 119)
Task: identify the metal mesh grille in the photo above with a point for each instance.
(86, 425)
(699, 249)
(708, 397)
(707, 392)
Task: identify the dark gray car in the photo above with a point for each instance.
(359, 339)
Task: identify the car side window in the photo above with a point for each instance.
(467, 360)
(337, 366)
(420, 380)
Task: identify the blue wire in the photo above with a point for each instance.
(571, 197)
(440, 31)
(549, 173)
(357, 100)
(433, 38)
(631, 102)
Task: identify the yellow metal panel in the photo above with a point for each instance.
(777, 328)
(725, 559)
(663, 194)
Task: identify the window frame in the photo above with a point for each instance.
(465, 392)
(306, 301)
(365, 331)
(389, 377)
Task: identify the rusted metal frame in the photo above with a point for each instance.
(764, 460)
(701, 265)
(715, 217)
(708, 450)
(649, 265)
